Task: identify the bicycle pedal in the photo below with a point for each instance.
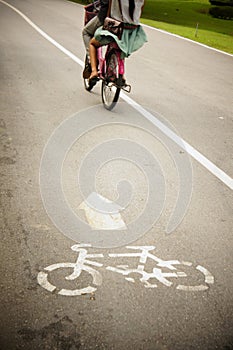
(126, 88)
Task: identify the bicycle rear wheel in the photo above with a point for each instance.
(111, 85)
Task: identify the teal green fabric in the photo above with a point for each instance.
(131, 40)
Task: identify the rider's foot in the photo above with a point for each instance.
(121, 82)
(93, 78)
(94, 74)
(92, 82)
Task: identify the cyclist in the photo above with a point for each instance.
(128, 11)
(90, 28)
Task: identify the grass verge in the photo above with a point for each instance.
(182, 17)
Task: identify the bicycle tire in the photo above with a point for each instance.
(111, 83)
(43, 279)
(208, 278)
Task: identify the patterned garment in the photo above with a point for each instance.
(131, 40)
(125, 7)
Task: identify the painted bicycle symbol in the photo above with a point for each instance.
(143, 253)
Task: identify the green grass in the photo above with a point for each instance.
(181, 17)
(217, 40)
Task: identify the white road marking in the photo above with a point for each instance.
(192, 288)
(43, 281)
(130, 279)
(45, 35)
(208, 277)
(79, 266)
(75, 292)
(82, 263)
(97, 218)
(220, 174)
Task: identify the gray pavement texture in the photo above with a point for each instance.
(191, 88)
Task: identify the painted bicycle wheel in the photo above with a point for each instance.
(43, 279)
(111, 85)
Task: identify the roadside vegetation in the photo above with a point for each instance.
(190, 19)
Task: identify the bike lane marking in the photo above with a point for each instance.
(200, 158)
(82, 264)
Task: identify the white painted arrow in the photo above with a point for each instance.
(100, 219)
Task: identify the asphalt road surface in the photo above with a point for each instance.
(147, 296)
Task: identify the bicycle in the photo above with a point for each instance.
(111, 67)
(83, 263)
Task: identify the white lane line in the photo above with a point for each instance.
(187, 39)
(45, 35)
(220, 174)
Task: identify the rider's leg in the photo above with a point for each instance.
(89, 30)
(94, 44)
(88, 33)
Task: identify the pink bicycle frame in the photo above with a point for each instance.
(102, 59)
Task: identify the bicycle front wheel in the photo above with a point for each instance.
(112, 81)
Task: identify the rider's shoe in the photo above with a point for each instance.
(123, 82)
(87, 71)
(92, 82)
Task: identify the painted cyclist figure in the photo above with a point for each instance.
(89, 30)
(128, 11)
